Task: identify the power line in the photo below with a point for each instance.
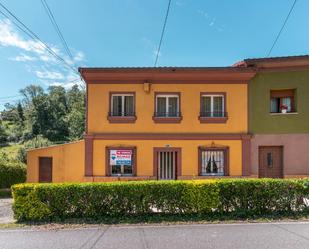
(34, 36)
(162, 33)
(282, 27)
(54, 23)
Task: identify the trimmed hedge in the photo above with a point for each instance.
(11, 173)
(50, 202)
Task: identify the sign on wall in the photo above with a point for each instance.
(120, 157)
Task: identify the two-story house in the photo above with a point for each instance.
(155, 123)
(279, 116)
(247, 120)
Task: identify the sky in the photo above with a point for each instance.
(112, 33)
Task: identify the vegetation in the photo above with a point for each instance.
(11, 172)
(56, 115)
(41, 118)
(239, 198)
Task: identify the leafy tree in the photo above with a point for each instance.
(3, 134)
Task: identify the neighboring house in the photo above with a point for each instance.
(187, 123)
(279, 116)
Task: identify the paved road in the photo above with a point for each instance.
(270, 235)
(6, 213)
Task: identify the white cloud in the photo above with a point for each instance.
(80, 56)
(49, 75)
(48, 69)
(23, 57)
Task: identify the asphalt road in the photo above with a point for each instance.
(268, 235)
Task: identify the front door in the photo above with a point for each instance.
(45, 169)
(167, 163)
(271, 161)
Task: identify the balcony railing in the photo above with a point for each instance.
(121, 117)
(218, 114)
(167, 114)
(121, 114)
(213, 117)
(167, 117)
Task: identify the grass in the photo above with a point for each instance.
(10, 150)
(176, 219)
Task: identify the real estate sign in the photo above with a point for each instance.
(120, 157)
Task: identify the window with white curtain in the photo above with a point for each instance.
(282, 101)
(122, 105)
(212, 162)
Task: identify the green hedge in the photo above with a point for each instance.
(35, 202)
(11, 173)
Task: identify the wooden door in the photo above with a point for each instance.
(271, 161)
(45, 169)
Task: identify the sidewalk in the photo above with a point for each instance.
(6, 213)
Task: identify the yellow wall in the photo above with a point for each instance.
(68, 162)
(189, 154)
(98, 108)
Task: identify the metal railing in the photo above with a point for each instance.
(121, 114)
(167, 114)
(213, 114)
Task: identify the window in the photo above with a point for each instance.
(213, 108)
(122, 105)
(121, 161)
(282, 101)
(213, 161)
(122, 108)
(167, 105)
(167, 108)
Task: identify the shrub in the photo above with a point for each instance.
(11, 172)
(239, 197)
(37, 142)
(99, 200)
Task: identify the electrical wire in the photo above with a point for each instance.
(282, 27)
(56, 27)
(34, 36)
(162, 33)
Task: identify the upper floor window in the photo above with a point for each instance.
(167, 107)
(122, 108)
(213, 107)
(282, 101)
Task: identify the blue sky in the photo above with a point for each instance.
(111, 33)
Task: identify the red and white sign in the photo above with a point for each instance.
(120, 157)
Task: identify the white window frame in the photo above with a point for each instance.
(212, 102)
(223, 161)
(123, 95)
(167, 96)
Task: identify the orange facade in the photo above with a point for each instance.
(157, 123)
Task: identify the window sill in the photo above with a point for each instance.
(213, 120)
(167, 120)
(280, 113)
(121, 119)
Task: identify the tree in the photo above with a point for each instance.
(3, 134)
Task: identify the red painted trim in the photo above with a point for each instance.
(178, 172)
(88, 156)
(168, 136)
(134, 159)
(246, 156)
